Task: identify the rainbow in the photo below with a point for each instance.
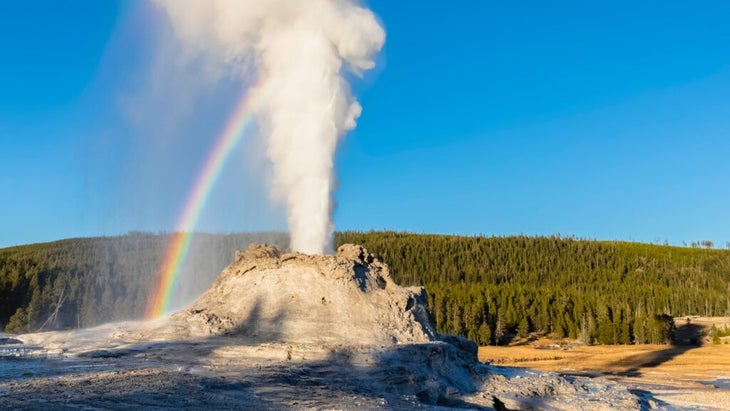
(177, 249)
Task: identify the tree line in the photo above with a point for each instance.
(485, 288)
(489, 288)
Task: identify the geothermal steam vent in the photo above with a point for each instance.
(296, 298)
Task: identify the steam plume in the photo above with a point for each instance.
(299, 50)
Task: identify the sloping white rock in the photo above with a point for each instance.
(347, 299)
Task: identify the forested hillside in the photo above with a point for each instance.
(482, 287)
(605, 292)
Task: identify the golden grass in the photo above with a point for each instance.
(704, 363)
(679, 377)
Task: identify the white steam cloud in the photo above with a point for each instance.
(299, 50)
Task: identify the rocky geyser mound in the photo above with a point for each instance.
(346, 299)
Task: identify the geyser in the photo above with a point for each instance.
(299, 51)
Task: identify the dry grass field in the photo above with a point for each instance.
(681, 376)
(706, 363)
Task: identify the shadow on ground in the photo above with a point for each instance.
(684, 338)
(192, 374)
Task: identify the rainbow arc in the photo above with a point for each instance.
(179, 245)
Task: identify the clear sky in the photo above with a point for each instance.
(482, 117)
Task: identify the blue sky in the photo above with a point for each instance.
(496, 118)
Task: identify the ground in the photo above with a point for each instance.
(93, 371)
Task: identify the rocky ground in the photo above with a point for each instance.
(284, 331)
(223, 373)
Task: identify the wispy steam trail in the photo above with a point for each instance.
(304, 104)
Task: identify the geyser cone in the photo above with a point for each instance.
(297, 298)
